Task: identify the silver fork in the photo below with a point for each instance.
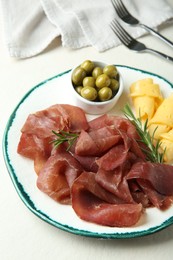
(131, 43)
(124, 14)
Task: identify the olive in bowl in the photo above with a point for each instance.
(96, 86)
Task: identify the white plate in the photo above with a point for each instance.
(52, 91)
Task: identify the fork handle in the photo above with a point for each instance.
(160, 54)
(170, 43)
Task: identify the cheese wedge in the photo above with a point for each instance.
(164, 113)
(158, 130)
(144, 107)
(167, 143)
(146, 97)
(168, 146)
(167, 136)
(145, 87)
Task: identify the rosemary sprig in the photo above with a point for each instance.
(152, 153)
(64, 137)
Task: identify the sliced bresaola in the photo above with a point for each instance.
(113, 168)
(116, 121)
(35, 148)
(97, 141)
(94, 204)
(37, 131)
(44, 121)
(115, 157)
(57, 117)
(57, 176)
(138, 194)
(120, 127)
(160, 176)
(156, 199)
(105, 174)
(77, 118)
(114, 182)
(31, 145)
(87, 162)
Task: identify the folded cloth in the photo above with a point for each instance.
(26, 27)
(30, 26)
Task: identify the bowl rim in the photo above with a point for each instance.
(100, 103)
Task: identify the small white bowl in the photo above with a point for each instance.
(96, 107)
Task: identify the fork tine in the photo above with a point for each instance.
(116, 7)
(120, 32)
(120, 7)
(128, 18)
(133, 44)
(117, 32)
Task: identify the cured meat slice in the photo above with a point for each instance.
(43, 122)
(105, 137)
(116, 121)
(57, 117)
(90, 202)
(77, 118)
(87, 180)
(136, 149)
(138, 194)
(114, 182)
(37, 131)
(104, 174)
(85, 145)
(158, 200)
(119, 154)
(30, 146)
(97, 141)
(87, 162)
(98, 122)
(57, 176)
(115, 157)
(35, 148)
(159, 175)
(125, 127)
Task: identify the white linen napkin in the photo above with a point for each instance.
(30, 26)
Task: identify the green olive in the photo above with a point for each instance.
(78, 89)
(103, 81)
(97, 71)
(89, 93)
(110, 70)
(105, 94)
(114, 85)
(88, 66)
(89, 81)
(95, 83)
(78, 75)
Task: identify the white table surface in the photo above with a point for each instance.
(22, 234)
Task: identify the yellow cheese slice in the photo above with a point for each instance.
(135, 87)
(168, 135)
(158, 130)
(144, 107)
(164, 113)
(146, 97)
(168, 145)
(145, 87)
